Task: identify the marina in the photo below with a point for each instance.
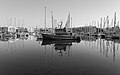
(59, 37)
(65, 50)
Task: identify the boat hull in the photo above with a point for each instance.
(58, 37)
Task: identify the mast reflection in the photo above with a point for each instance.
(107, 47)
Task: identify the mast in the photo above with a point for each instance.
(19, 23)
(112, 22)
(108, 21)
(10, 21)
(118, 23)
(95, 23)
(115, 19)
(71, 24)
(101, 25)
(14, 22)
(22, 22)
(45, 19)
(104, 22)
(52, 20)
(92, 22)
(98, 26)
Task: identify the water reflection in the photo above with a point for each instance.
(89, 38)
(66, 57)
(12, 39)
(60, 46)
(106, 47)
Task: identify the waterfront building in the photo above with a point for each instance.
(12, 29)
(86, 29)
(22, 29)
(36, 30)
(4, 29)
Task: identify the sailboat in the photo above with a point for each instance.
(61, 33)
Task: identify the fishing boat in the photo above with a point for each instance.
(61, 33)
(59, 37)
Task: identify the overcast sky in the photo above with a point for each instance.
(32, 11)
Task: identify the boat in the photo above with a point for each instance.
(49, 42)
(59, 37)
(61, 33)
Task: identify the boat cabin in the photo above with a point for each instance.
(61, 31)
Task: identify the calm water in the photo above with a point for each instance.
(29, 56)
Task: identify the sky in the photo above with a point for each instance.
(31, 12)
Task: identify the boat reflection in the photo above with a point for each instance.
(89, 38)
(4, 39)
(23, 38)
(49, 42)
(60, 46)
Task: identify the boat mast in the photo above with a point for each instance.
(45, 19)
(14, 22)
(22, 23)
(98, 27)
(108, 21)
(8, 22)
(19, 23)
(52, 20)
(104, 22)
(115, 19)
(71, 24)
(101, 25)
(118, 23)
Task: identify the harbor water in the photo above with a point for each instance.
(31, 56)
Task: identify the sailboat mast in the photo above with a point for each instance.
(98, 27)
(45, 19)
(108, 21)
(115, 19)
(10, 21)
(19, 23)
(14, 22)
(71, 24)
(22, 22)
(7, 22)
(101, 25)
(52, 20)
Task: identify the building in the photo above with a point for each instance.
(4, 29)
(21, 29)
(12, 29)
(86, 29)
